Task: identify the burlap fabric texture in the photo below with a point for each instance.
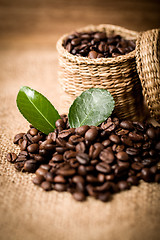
(29, 213)
(117, 75)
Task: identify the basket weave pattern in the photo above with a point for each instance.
(148, 67)
(117, 75)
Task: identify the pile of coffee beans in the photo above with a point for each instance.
(97, 45)
(88, 160)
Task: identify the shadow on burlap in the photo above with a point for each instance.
(26, 211)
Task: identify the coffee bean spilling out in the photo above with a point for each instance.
(90, 161)
(97, 45)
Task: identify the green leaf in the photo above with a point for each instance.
(37, 109)
(92, 107)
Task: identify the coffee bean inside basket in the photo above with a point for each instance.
(90, 161)
(97, 45)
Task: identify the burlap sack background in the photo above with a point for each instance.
(26, 211)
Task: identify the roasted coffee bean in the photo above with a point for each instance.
(40, 171)
(92, 54)
(79, 196)
(69, 154)
(146, 175)
(80, 147)
(121, 131)
(49, 177)
(91, 134)
(135, 136)
(18, 137)
(114, 138)
(121, 171)
(74, 139)
(38, 180)
(30, 166)
(126, 140)
(59, 179)
(103, 167)
(43, 152)
(123, 185)
(110, 177)
(19, 166)
(69, 146)
(91, 179)
(60, 123)
(106, 143)
(65, 133)
(123, 164)
(104, 197)
(101, 177)
(139, 126)
(11, 157)
(148, 162)
(151, 132)
(60, 187)
(137, 166)
(78, 179)
(45, 166)
(157, 178)
(82, 170)
(123, 156)
(24, 145)
(57, 158)
(157, 146)
(132, 151)
(37, 138)
(82, 130)
(154, 169)
(82, 158)
(66, 172)
(33, 131)
(118, 148)
(33, 148)
(104, 187)
(133, 180)
(46, 186)
(126, 125)
(107, 156)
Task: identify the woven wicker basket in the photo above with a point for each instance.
(148, 67)
(118, 75)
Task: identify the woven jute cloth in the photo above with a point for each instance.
(118, 75)
(29, 213)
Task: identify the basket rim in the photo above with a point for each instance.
(98, 61)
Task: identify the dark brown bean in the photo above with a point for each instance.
(104, 197)
(123, 185)
(123, 156)
(11, 157)
(60, 187)
(114, 138)
(18, 137)
(82, 130)
(82, 158)
(24, 145)
(38, 180)
(103, 167)
(127, 125)
(30, 166)
(46, 186)
(33, 148)
(107, 156)
(79, 196)
(91, 134)
(146, 174)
